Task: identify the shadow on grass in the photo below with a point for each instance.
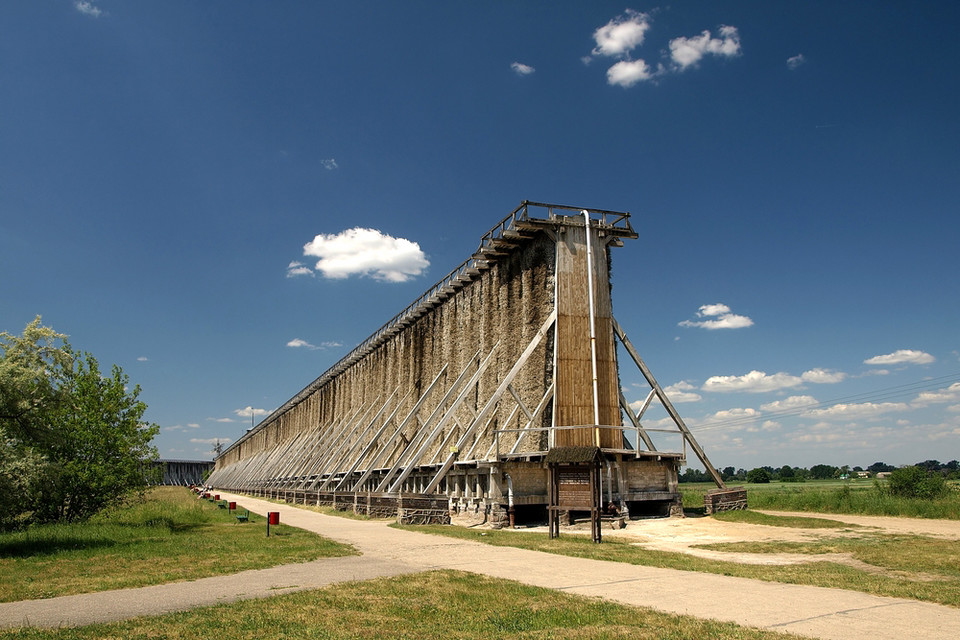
(47, 546)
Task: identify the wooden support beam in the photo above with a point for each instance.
(681, 425)
(494, 399)
(635, 420)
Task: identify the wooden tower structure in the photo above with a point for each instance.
(457, 404)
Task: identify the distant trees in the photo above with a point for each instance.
(72, 439)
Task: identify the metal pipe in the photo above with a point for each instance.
(510, 511)
(593, 331)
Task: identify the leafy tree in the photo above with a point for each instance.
(916, 482)
(823, 471)
(880, 467)
(728, 472)
(786, 471)
(758, 476)
(73, 439)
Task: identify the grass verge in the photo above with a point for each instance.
(433, 605)
(920, 551)
(852, 497)
(798, 522)
(169, 537)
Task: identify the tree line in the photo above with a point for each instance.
(948, 471)
(72, 437)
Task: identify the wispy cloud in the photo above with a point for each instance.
(718, 316)
(901, 356)
(522, 69)
(295, 269)
(142, 359)
(221, 419)
(795, 61)
(88, 8)
(330, 164)
(363, 252)
(686, 52)
(298, 343)
(223, 441)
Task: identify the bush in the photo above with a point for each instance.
(916, 482)
(758, 476)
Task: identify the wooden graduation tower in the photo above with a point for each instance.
(482, 398)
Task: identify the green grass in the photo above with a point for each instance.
(169, 537)
(859, 497)
(923, 552)
(427, 606)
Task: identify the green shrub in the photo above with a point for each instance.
(916, 482)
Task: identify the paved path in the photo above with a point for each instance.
(811, 611)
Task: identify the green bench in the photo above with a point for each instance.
(243, 517)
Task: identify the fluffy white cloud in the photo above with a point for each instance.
(823, 376)
(688, 51)
(88, 8)
(753, 382)
(627, 73)
(522, 69)
(717, 316)
(248, 412)
(622, 34)
(795, 61)
(901, 356)
(142, 359)
(366, 252)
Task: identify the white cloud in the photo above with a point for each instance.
(221, 419)
(248, 412)
(856, 411)
(682, 392)
(193, 425)
(142, 359)
(522, 69)
(627, 73)
(366, 252)
(223, 441)
(297, 343)
(795, 61)
(950, 394)
(622, 34)
(689, 51)
(954, 408)
(901, 356)
(295, 269)
(87, 8)
(753, 382)
(790, 404)
(823, 376)
(330, 164)
(718, 316)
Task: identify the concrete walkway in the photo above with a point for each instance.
(810, 611)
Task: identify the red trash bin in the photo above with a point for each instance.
(273, 517)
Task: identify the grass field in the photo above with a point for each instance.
(833, 496)
(426, 606)
(171, 536)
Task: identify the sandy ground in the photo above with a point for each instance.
(688, 535)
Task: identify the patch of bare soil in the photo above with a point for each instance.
(687, 535)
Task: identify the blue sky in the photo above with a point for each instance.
(792, 169)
